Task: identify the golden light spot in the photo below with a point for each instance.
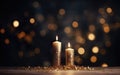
(81, 51)
(101, 11)
(67, 30)
(32, 20)
(102, 21)
(91, 28)
(95, 49)
(106, 28)
(20, 53)
(91, 36)
(93, 59)
(80, 39)
(109, 10)
(78, 60)
(21, 35)
(52, 27)
(7, 41)
(2, 31)
(104, 65)
(15, 23)
(62, 12)
(36, 50)
(75, 24)
(28, 38)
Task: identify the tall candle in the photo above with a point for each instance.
(69, 56)
(57, 52)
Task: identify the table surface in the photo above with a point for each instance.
(96, 71)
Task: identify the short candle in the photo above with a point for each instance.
(69, 56)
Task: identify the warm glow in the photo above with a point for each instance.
(91, 36)
(91, 28)
(28, 38)
(52, 27)
(106, 28)
(80, 39)
(101, 11)
(93, 59)
(102, 20)
(7, 41)
(81, 51)
(15, 23)
(75, 24)
(56, 37)
(21, 35)
(69, 44)
(67, 30)
(95, 49)
(32, 20)
(104, 65)
(2, 31)
(109, 10)
(62, 11)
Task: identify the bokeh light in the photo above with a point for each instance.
(32, 20)
(62, 12)
(102, 20)
(109, 10)
(67, 30)
(75, 24)
(81, 50)
(15, 23)
(2, 30)
(91, 36)
(7, 41)
(21, 35)
(91, 28)
(104, 65)
(95, 49)
(106, 28)
(93, 59)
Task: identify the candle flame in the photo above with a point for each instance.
(56, 37)
(69, 44)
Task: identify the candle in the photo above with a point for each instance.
(69, 56)
(57, 52)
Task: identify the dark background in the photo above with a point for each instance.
(79, 10)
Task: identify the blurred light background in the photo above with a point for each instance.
(28, 28)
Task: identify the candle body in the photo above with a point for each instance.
(57, 53)
(69, 56)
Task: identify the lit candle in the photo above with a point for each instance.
(57, 52)
(69, 56)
